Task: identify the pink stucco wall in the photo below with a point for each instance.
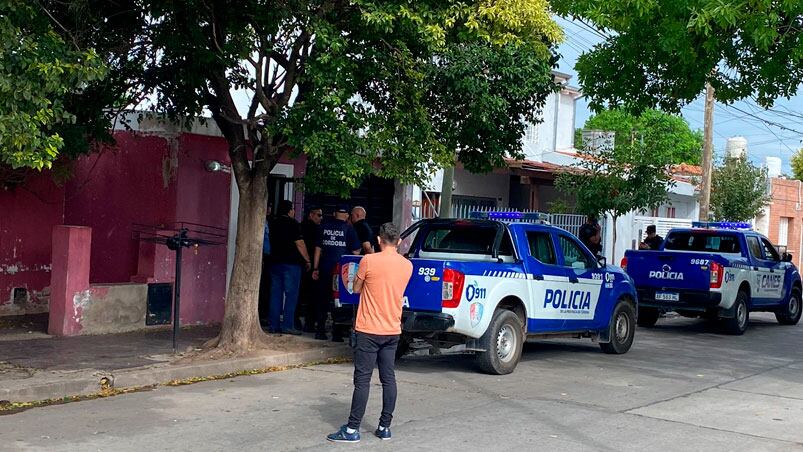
(132, 182)
(27, 216)
(203, 198)
(158, 181)
(150, 179)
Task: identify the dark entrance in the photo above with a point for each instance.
(279, 188)
(375, 195)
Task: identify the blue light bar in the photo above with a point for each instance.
(721, 225)
(531, 217)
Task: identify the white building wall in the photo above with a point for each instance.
(565, 136)
(489, 185)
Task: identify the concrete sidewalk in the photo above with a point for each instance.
(54, 368)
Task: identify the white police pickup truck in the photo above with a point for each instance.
(494, 280)
(717, 271)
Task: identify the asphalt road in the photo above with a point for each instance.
(682, 387)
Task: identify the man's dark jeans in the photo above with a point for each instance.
(374, 350)
(284, 281)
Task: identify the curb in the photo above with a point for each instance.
(91, 382)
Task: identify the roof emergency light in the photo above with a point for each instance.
(721, 225)
(511, 216)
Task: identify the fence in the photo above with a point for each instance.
(662, 226)
(569, 222)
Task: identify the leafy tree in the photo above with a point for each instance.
(37, 71)
(615, 182)
(661, 53)
(67, 70)
(654, 128)
(394, 88)
(797, 164)
(738, 190)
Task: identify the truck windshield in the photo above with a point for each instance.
(465, 239)
(704, 241)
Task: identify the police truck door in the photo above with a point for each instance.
(544, 278)
(585, 282)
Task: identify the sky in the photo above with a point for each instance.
(740, 119)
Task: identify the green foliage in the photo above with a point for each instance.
(738, 190)
(38, 70)
(661, 53)
(616, 182)
(406, 84)
(661, 132)
(797, 164)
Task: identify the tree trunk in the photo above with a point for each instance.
(241, 330)
(447, 183)
(613, 245)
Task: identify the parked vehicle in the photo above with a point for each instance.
(717, 271)
(495, 280)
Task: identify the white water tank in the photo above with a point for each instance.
(773, 166)
(736, 147)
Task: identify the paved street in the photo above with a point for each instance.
(682, 387)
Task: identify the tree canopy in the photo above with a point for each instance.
(661, 53)
(662, 132)
(739, 190)
(37, 71)
(66, 70)
(347, 82)
(613, 182)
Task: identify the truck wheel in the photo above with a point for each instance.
(790, 314)
(403, 348)
(622, 329)
(502, 342)
(647, 317)
(741, 316)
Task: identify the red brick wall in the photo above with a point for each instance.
(787, 201)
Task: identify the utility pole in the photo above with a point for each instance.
(708, 152)
(446, 193)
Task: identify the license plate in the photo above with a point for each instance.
(667, 296)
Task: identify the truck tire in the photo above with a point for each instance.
(741, 316)
(403, 348)
(789, 314)
(622, 329)
(647, 317)
(502, 342)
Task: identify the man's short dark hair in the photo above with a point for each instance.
(312, 208)
(389, 233)
(651, 229)
(284, 207)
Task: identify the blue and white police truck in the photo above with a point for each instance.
(720, 271)
(494, 280)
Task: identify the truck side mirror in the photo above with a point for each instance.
(787, 257)
(602, 261)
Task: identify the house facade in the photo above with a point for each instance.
(529, 184)
(782, 219)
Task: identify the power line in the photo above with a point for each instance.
(764, 120)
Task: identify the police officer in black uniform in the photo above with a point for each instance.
(335, 239)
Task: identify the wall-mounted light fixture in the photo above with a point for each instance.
(214, 166)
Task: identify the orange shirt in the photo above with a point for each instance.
(385, 277)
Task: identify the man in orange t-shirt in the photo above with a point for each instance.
(381, 280)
